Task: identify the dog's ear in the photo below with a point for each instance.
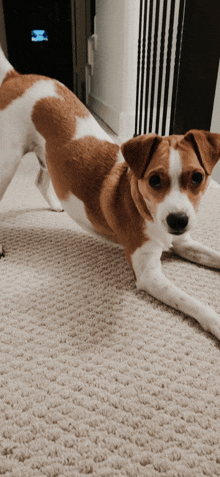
(206, 146)
(138, 152)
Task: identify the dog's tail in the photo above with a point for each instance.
(5, 66)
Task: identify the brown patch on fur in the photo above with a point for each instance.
(207, 147)
(139, 200)
(14, 85)
(120, 210)
(174, 140)
(138, 152)
(11, 74)
(159, 165)
(190, 165)
(55, 118)
(79, 167)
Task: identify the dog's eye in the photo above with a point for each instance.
(197, 178)
(154, 181)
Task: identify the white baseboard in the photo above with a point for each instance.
(122, 123)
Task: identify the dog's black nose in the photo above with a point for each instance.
(177, 222)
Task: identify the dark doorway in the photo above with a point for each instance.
(39, 37)
(198, 67)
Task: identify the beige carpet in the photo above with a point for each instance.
(96, 378)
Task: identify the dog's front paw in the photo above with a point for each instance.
(2, 253)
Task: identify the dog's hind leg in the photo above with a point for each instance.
(43, 180)
(9, 162)
(44, 184)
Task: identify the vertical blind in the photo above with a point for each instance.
(159, 47)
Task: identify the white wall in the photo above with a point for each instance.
(215, 124)
(113, 86)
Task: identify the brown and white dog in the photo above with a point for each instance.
(144, 195)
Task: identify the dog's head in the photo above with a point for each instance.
(172, 173)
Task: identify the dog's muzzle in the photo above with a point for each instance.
(177, 223)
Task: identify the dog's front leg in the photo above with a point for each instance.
(149, 277)
(194, 251)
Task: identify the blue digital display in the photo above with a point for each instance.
(39, 35)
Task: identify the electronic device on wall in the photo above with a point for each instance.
(39, 37)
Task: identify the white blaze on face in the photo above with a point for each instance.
(176, 200)
(175, 169)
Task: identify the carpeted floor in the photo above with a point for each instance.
(97, 378)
